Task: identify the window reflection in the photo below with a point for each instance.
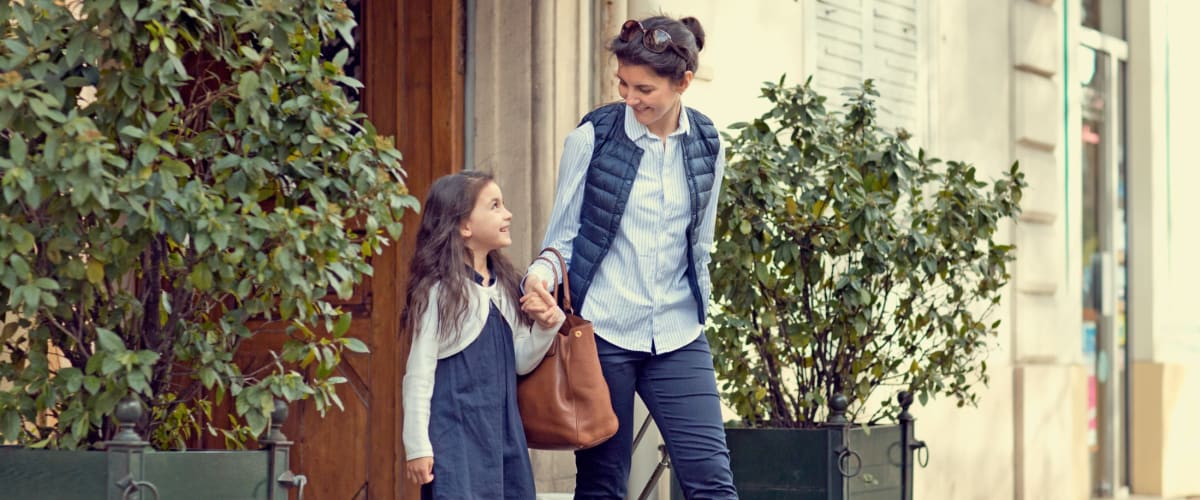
(1105, 16)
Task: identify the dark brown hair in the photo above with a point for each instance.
(442, 257)
(687, 35)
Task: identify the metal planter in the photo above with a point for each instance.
(837, 461)
(128, 470)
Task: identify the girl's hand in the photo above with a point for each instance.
(539, 304)
(550, 318)
(420, 470)
(536, 298)
(535, 288)
(531, 282)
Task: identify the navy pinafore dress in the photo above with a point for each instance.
(479, 448)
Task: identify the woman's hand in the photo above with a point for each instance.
(539, 304)
(420, 470)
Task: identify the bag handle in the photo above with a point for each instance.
(566, 282)
(557, 289)
(554, 271)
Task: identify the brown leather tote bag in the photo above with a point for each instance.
(564, 402)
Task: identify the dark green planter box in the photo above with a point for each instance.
(129, 470)
(70, 475)
(802, 464)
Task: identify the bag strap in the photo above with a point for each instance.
(566, 282)
(554, 271)
(557, 289)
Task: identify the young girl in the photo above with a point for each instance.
(462, 431)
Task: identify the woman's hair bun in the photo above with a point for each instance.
(693, 25)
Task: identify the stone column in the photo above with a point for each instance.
(1049, 383)
(532, 85)
(533, 81)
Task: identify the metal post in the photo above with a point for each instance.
(908, 445)
(279, 468)
(664, 463)
(838, 484)
(126, 456)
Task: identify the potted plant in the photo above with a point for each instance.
(176, 177)
(847, 269)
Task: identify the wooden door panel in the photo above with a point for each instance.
(412, 72)
(332, 451)
(411, 56)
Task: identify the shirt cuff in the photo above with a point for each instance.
(541, 270)
(416, 453)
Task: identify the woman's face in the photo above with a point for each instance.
(654, 98)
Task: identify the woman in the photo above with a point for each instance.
(633, 216)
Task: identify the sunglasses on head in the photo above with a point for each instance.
(656, 40)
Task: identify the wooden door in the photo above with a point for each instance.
(413, 53)
(412, 64)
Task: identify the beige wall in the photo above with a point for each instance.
(995, 77)
(1166, 332)
(6, 319)
(746, 44)
(531, 85)
(1179, 349)
(1164, 432)
(4, 358)
(972, 449)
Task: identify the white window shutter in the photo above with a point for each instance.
(877, 39)
(840, 41)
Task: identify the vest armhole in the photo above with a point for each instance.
(699, 124)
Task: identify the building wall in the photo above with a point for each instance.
(530, 82)
(972, 449)
(1178, 349)
(998, 90)
(753, 42)
(1166, 385)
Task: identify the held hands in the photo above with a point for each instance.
(420, 470)
(539, 304)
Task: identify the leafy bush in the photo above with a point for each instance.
(844, 263)
(178, 175)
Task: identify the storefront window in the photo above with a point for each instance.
(1104, 249)
(1105, 16)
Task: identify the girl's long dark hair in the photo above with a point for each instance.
(442, 258)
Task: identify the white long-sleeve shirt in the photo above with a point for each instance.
(529, 347)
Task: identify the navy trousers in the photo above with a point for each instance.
(680, 390)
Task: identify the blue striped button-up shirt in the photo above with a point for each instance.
(639, 299)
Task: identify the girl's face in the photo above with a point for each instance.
(486, 229)
(654, 98)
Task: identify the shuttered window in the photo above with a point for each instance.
(852, 40)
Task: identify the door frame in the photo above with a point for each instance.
(1110, 476)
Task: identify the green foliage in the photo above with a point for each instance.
(844, 263)
(175, 177)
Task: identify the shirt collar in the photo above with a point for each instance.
(479, 277)
(635, 130)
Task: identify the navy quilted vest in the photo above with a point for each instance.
(610, 175)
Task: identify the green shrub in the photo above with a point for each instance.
(845, 263)
(218, 178)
